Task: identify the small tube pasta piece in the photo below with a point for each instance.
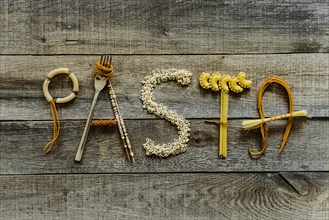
(215, 81)
(225, 79)
(204, 80)
(234, 85)
(243, 81)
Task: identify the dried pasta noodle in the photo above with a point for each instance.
(52, 101)
(261, 123)
(57, 127)
(102, 69)
(224, 83)
(103, 122)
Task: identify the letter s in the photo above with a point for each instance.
(147, 96)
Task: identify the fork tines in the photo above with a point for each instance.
(106, 60)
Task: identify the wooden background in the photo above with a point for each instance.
(263, 38)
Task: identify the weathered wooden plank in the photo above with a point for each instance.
(296, 182)
(21, 150)
(163, 196)
(158, 27)
(21, 80)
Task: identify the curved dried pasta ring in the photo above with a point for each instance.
(215, 81)
(233, 84)
(73, 78)
(243, 82)
(223, 84)
(204, 80)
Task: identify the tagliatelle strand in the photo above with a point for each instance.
(261, 123)
(57, 127)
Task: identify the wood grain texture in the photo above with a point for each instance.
(163, 196)
(163, 27)
(21, 150)
(263, 38)
(21, 80)
(296, 182)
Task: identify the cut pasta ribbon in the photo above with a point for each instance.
(262, 122)
(52, 101)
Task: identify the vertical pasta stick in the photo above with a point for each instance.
(224, 83)
(221, 150)
(224, 110)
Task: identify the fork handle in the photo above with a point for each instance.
(84, 137)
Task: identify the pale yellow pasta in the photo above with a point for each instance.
(225, 79)
(234, 85)
(215, 81)
(204, 80)
(243, 81)
(224, 83)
